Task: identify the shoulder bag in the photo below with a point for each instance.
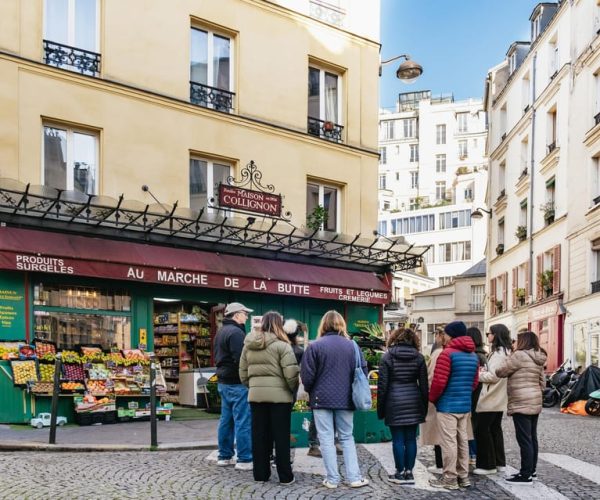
(361, 392)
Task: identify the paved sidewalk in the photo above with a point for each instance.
(176, 434)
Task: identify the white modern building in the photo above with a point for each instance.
(543, 256)
(432, 175)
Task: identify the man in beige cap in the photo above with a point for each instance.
(235, 422)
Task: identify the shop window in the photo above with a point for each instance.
(205, 177)
(322, 206)
(211, 75)
(70, 159)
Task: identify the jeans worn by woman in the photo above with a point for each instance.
(344, 421)
(404, 446)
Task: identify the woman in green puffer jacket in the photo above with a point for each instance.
(268, 368)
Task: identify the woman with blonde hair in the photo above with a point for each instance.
(268, 368)
(327, 373)
(402, 399)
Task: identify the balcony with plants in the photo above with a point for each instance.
(548, 211)
(546, 282)
(521, 233)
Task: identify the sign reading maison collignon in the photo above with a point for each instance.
(249, 200)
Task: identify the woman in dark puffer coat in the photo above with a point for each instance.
(402, 397)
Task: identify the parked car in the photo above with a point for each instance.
(43, 420)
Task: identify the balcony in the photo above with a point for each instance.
(327, 12)
(325, 129)
(475, 308)
(597, 119)
(70, 58)
(596, 286)
(392, 306)
(211, 97)
(551, 147)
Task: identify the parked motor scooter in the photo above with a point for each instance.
(559, 383)
(592, 406)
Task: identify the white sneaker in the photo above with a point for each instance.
(359, 484)
(225, 462)
(327, 484)
(435, 470)
(485, 472)
(243, 466)
(500, 468)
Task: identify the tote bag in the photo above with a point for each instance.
(361, 392)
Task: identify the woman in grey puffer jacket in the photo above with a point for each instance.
(526, 381)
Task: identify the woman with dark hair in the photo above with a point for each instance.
(268, 367)
(492, 403)
(327, 372)
(402, 399)
(524, 369)
(475, 335)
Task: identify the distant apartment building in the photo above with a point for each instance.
(405, 285)
(432, 174)
(543, 255)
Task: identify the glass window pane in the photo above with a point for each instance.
(330, 204)
(85, 25)
(220, 174)
(57, 18)
(221, 62)
(84, 163)
(312, 197)
(199, 56)
(55, 157)
(314, 104)
(331, 98)
(198, 184)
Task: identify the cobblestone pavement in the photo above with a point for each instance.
(569, 468)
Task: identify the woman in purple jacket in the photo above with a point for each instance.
(327, 373)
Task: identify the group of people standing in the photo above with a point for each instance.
(457, 398)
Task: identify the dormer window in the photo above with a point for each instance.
(535, 27)
(512, 62)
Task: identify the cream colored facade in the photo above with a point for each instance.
(139, 104)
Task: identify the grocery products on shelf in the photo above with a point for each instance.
(24, 371)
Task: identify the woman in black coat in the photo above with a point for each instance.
(402, 396)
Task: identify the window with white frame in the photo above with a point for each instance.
(386, 205)
(454, 252)
(477, 295)
(462, 120)
(455, 219)
(70, 158)
(551, 125)
(512, 62)
(409, 128)
(382, 156)
(501, 179)
(469, 192)
(440, 134)
(414, 153)
(440, 163)
(414, 203)
(525, 92)
(429, 255)
(500, 236)
(595, 180)
(205, 177)
(382, 181)
(523, 213)
(596, 265)
(211, 66)
(503, 121)
(414, 179)
(440, 190)
(72, 22)
(325, 196)
(415, 224)
(324, 100)
(387, 130)
(597, 97)
(463, 149)
(524, 155)
(382, 229)
(535, 27)
(553, 57)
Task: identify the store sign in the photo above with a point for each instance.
(249, 200)
(174, 276)
(12, 306)
(543, 311)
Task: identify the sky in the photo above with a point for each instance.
(456, 42)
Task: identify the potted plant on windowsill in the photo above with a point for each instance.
(317, 219)
(520, 293)
(328, 126)
(548, 209)
(500, 249)
(521, 233)
(499, 306)
(546, 280)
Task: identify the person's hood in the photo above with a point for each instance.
(462, 343)
(257, 341)
(403, 352)
(538, 357)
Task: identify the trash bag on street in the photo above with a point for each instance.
(576, 408)
(588, 382)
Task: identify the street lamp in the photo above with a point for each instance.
(408, 71)
(477, 213)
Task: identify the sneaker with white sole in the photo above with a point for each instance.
(224, 462)
(443, 483)
(485, 472)
(243, 466)
(435, 470)
(500, 468)
(359, 484)
(327, 484)
(518, 479)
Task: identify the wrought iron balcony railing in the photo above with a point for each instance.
(325, 129)
(477, 307)
(327, 12)
(62, 56)
(596, 286)
(211, 97)
(597, 119)
(551, 147)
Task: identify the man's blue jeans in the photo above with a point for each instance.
(235, 422)
(344, 422)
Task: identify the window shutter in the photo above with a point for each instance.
(505, 291)
(539, 294)
(556, 269)
(493, 297)
(527, 284)
(515, 278)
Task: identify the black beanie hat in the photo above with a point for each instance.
(456, 329)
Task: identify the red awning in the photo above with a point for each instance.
(57, 253)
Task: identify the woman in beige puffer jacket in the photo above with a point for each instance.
(268, 368)
(526, 381)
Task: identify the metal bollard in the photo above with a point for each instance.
(54, 405)
(153, 430)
